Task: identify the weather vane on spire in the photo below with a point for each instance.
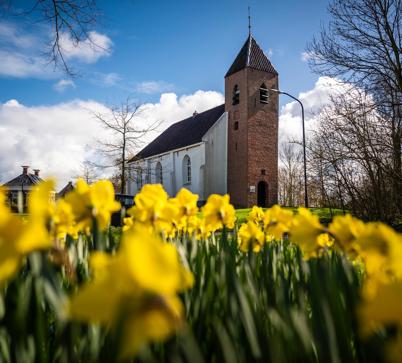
(249, 21)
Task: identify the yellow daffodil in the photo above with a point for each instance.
(383, 308)
(251, 237)
(394, 350)
(153, 208)
(199, 228)
(346, 229)
(187, 203)
(135, 291)
(128, 222)
(63, 221)
(18, 237)
(277, 221)
(93, 201)
(305, 230)
(256, 215)
(325, 240)
(380, 247)
(218, 212)
(35, 234)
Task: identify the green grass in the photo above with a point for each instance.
(325, 214)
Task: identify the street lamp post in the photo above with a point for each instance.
(304, 142)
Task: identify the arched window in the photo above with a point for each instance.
(158, 173)
(264, 93)
(148, 176)
(139, 178)
(186, 170)
(236, 95)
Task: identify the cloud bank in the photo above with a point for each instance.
(58, 138)
(314, 100)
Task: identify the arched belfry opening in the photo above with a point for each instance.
(262, 194)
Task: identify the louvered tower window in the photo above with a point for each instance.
(264, 95)
(236, 95)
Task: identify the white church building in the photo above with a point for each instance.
(190, 153)
(231, 148)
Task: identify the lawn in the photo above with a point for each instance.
(325, 214)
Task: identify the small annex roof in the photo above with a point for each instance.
(252, 56)
(183, 133)
(68, 188)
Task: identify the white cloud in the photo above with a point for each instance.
(89, 50)
(19, 65)
(50, 138)
(110, 79)
(63, 84)
(58, 138)
(270, 52)
(12, 103)
(172, 108)
(152, 87)
(10, 34)
(22, 54)
(314, 100)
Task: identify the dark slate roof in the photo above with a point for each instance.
(24, 179)
(251, 55)
(182, 133)
(68, 188)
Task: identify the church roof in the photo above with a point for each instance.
(183, 133)
(252, 56)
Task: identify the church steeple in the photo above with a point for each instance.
(252, 151)
(252, 56)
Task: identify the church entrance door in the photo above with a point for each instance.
(262, 193)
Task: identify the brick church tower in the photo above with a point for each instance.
(252, 174)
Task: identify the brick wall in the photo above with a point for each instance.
(253, 148)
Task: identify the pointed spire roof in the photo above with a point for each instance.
(251, 55)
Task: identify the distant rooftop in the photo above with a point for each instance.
(25, 179)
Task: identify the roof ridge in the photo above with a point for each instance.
(250, 40)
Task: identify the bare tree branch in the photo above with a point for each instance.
(125, 123)
(71, 18)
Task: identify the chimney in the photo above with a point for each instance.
(36, 171)
(25, 169)
(195, 113)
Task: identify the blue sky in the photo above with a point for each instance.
(179, 46)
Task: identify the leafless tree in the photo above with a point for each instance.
(88, 172)
(363, 45)
(74, 18)
(290, 174)
(354, 148)
(127, 128)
